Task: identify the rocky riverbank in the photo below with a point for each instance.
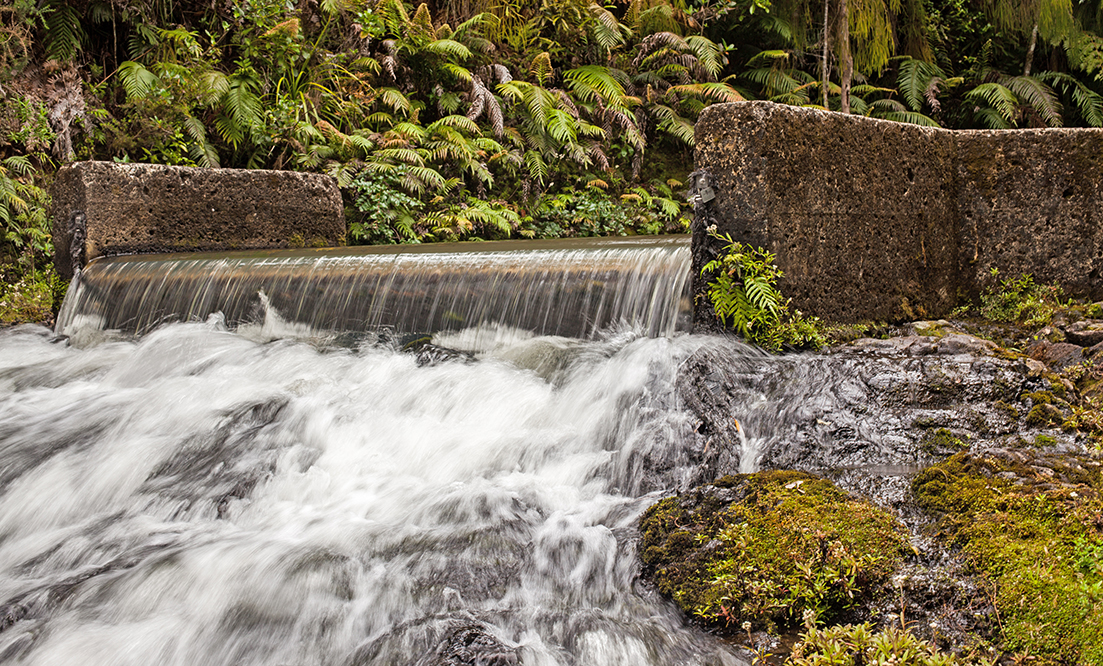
(982, 452)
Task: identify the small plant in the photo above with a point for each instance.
(858, 644)
(1021, 300)
(744, 294)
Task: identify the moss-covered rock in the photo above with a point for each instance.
(765, 547)
(1032, 526)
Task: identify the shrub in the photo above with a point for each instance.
(1021, 300)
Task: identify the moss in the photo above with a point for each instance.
(766, 547)
(1044, 414)
(1056, 385)
(1031, 528)
(1042, 441)
(1039, 397)
(941, 442)
(1007, 410)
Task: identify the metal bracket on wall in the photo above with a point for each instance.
(700, 188)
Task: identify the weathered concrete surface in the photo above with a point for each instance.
(138, 208)
(873, 219)
(1031, 201)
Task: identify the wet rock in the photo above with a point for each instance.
(1057, 355)
(1085, 333)
(937, 328)
(473, 645)
(428, 354)
(1051, 334)
(872, 403)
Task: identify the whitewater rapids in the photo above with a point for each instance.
(207, 496)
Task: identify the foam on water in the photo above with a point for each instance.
(203, 496)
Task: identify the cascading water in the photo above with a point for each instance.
(572, 288)
(262, 495)
(252, 486)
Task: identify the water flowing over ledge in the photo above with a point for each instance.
(570, 288)
(196, 497)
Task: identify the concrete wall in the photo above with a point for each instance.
(872, 219)
(140, 208)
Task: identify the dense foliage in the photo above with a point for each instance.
(449, 120)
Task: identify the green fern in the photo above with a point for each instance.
(743, 291)
(64, 31)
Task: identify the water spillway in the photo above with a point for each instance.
(217, 492)
(203, 493)
(569, 288)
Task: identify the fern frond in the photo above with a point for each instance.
(591, 83)
(457, 122)
(64, 30)
(449, 48)
(910, 117)
(394, 99)
(710, 55)
(913, 80)
(1088, 102)
(607, 30)
(999, 99)
(138, 81)
(1038, 96)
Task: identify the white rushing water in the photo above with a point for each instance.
(201, 496)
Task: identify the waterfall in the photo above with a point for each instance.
(195, 496)
(222, 483)
(569, 288)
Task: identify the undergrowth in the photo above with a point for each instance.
(1018, 300)
(860, 645)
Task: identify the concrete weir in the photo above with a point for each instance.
(113, 209)
(873, 219)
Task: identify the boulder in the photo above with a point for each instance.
(1057, 355)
